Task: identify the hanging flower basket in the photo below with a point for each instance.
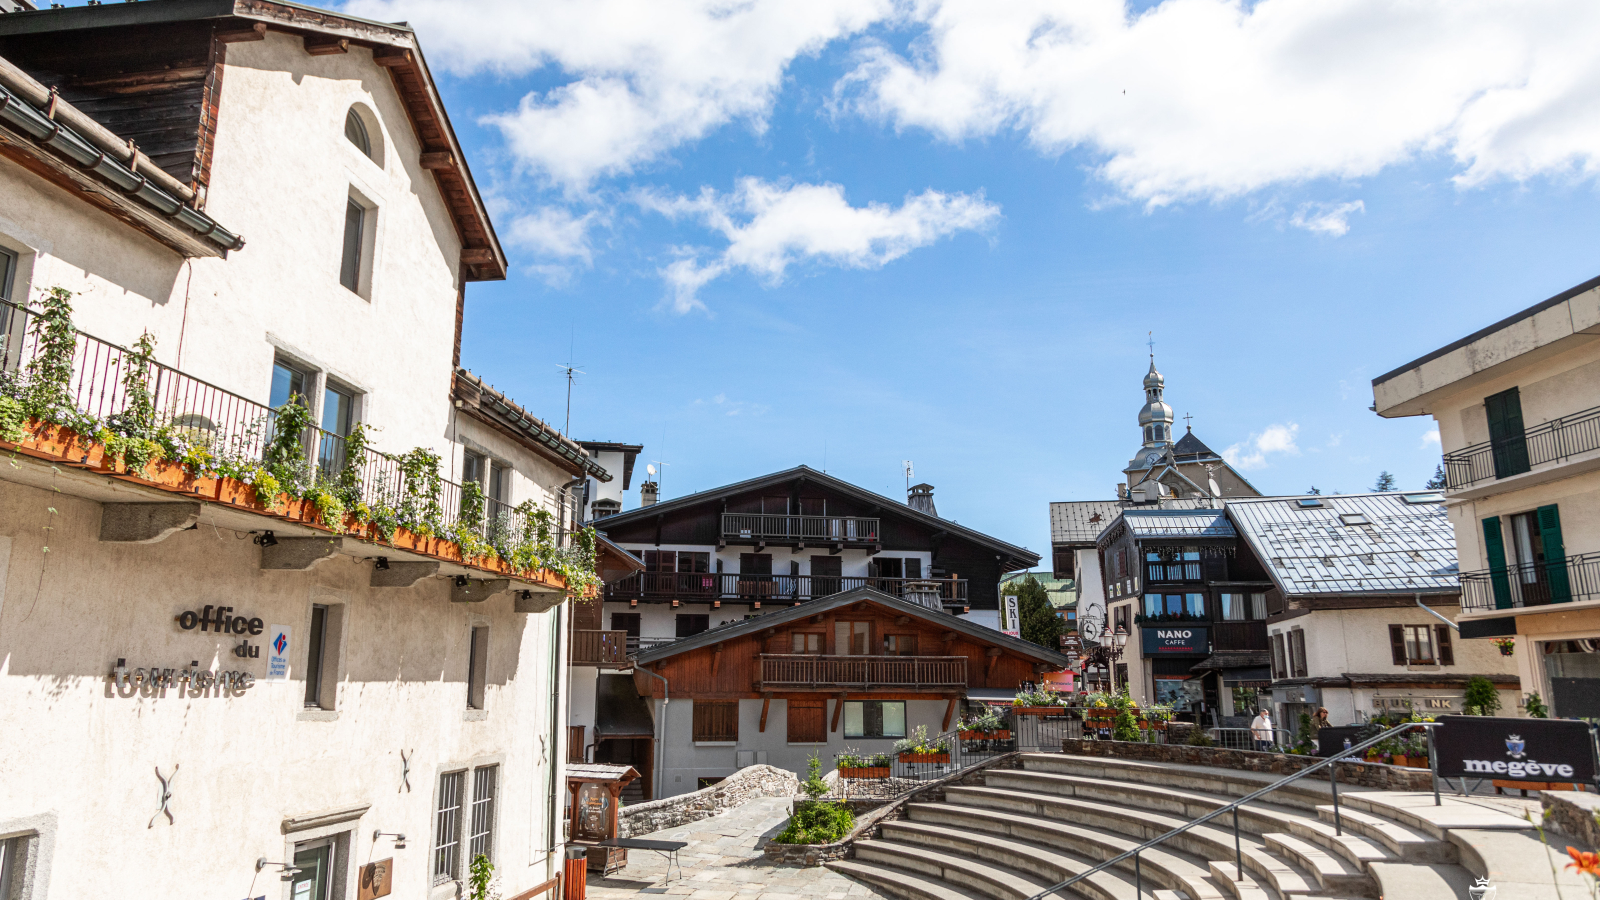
(1506, 645)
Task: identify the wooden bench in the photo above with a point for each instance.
(1501, 787)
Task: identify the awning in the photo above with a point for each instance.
(1233, 659)
(1253, 677)
(619, 710)
(995, 696)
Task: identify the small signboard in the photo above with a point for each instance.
(279, 644)
(375, 880)
(1560, 750)
(1010, 620)
(1160, 640)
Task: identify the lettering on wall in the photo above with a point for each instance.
(221, 621)
(191, 680)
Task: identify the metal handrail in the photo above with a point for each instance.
(1234, 808)
(1556, 439)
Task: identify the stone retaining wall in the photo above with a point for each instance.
(1356, 774)
(1572, 813)
(744, 785)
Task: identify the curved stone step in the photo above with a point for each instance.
(1038, 852)
(1333, 873)
(898, 882)
(1522, 864)
(1401, 841)
(1091, 824)
(1416, 811)
(981, 878)
(1257, 817)
(1232, 783)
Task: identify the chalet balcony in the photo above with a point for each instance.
(782, 672)
(707, 587)
(1573, 579)
(1554, 441)
(607, 649)
(820, 531)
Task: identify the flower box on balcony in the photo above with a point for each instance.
(924, 757)
(1000, 735)
(864, 772)
(1146, 725)
(1039, 710)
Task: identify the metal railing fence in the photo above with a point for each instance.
(1546, 442)
(1532, 584)
(1245, 739)
(748, 588)
(821, 529)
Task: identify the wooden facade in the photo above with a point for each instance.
(907, 656)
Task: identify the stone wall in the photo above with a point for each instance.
(1573, 814)
(746, 784)
(1356, 774)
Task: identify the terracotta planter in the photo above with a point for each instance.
(924, 757)
(1399, 760)
(1039, 710)
(864, 772)
(1417, 762)
(1001, 735)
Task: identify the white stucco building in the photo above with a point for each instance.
(296, 219)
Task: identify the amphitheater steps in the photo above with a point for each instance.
(1027, 829)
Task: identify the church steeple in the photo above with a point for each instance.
(1156, 417)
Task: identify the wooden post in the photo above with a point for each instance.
(766, 701)
(949, 710)
(838, 708)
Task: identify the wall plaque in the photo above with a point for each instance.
(375, 879)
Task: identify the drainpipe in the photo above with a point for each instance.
(566, 502)
(557, 745)
(666, 697)
(1436, 614)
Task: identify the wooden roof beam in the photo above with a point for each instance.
(321, 45)
(438, 159)
(256, 32)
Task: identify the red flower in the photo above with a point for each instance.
(1585, 863)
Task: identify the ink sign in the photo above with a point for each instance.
(278, 646)
(1560, 750)
(1164, 639)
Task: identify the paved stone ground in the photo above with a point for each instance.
(723, 862)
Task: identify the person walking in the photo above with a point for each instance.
(1261, 730)
(1319, 721)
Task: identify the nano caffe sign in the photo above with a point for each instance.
(1516, 749)
(1161, 639)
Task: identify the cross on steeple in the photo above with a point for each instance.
(1152, 343)
(1186, 425)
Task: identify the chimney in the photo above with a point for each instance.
(647, 494)
(920, 498)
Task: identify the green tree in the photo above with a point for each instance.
(1386, 482)
(1437, 482)
(1040, 622)
(1482, 699)
(1314, 490)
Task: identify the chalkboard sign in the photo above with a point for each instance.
(1514, 749)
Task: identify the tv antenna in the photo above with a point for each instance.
(909, 473)
(571, 370)
(655, 467)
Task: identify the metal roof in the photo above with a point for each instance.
(1401, 547)
(1081, 521)
(1062, 593)
(1156, 523)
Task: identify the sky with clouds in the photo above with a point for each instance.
(849, 233)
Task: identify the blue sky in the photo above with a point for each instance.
(850, 235)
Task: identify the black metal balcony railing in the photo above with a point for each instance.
(808, 529)
(702, 587)
(1546, 442)
(231, 426)
(1532, 584)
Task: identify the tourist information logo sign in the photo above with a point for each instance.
(279, 643)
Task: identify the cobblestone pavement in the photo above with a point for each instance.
(723, 862)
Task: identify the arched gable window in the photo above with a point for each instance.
(355, 131)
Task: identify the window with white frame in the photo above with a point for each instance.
(464, 824)
(356, 251)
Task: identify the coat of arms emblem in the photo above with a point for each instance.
(1515, 746)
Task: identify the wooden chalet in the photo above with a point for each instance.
(858, 669)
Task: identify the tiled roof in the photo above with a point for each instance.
(1081, 521)
(1352, 544)
(1149, 523)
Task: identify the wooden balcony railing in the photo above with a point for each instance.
(832, 673)
(598, 648)
(729, 587)
(804, 529)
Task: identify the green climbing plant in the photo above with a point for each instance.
(480, 879)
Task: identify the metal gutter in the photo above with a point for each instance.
(67, 142)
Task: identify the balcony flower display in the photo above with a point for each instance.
(1507, 645)
(984, 726)
(919, 748)
(1038, 703)
(855, 764)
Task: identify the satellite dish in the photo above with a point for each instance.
(651, 469)
(1215, 491)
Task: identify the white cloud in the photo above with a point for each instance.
(1331, 219)
(1218, 98)
(727, 407)
(1253, 452)
(557, 240)
(1430, 437)
(771, 226)
(640, 76)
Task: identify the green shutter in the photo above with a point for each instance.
(1555, 554)
(1495, 546)
(1508, 439)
